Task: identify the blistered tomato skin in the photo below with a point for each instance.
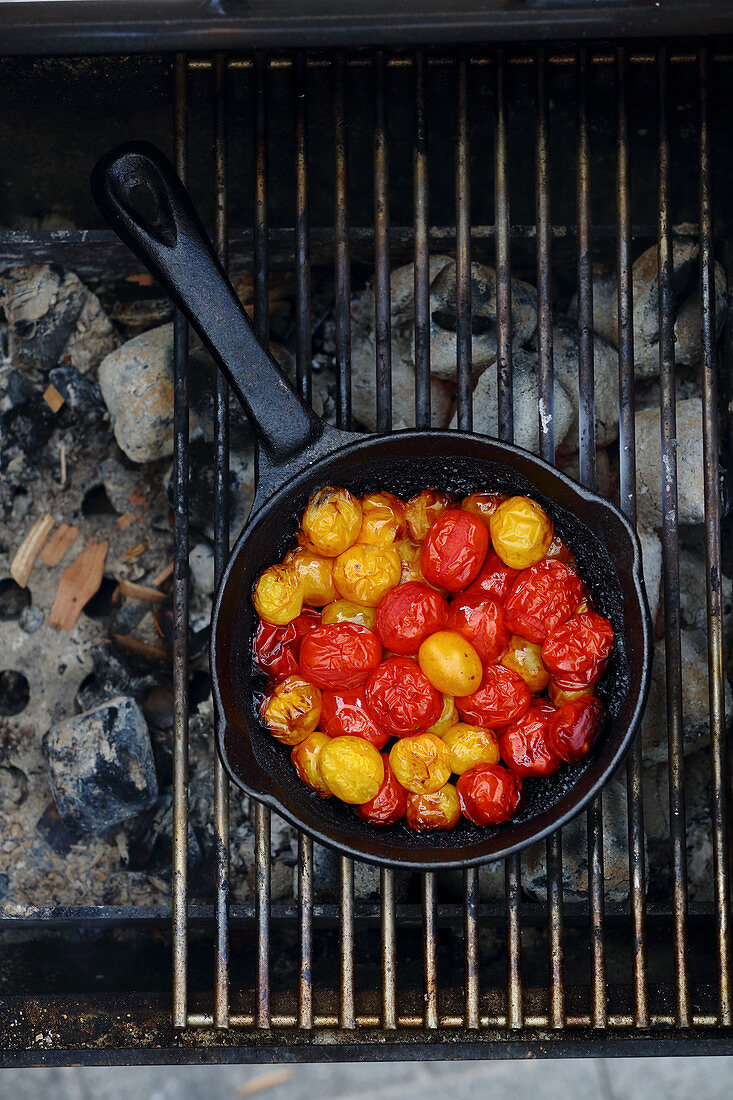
(489, 794)
(332, 521)
(575, 654)
(421, 763)
(483, 504)
(502, 698)
(383, 521)
(469, 746)
(448, 717)
(450, 663)
(454, 550)
(351, 769)
(341, 655)
(305, 758)
(389, 803)
(542, 598)
(573, 728)
(521, 532)
(292, 710)
(480, 621)
(524, 746)
(401, 698)
(277, 647)
(315, 574)
(525, 658)
(439, 810)
(495, 579)
(363, 574)
(424, 508)
(558, 696)
(346, 714)
(559, 550)
(278, 595)
(344, 611)
(407, 615)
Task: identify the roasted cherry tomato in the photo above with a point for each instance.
(521, 532)
(305, 757)
(364, 573)
(401, 698)
(524, 746)
(502, 698)
(351, 769)
(389, 803)
(489, 794)
(448, 717)
(409, 552)
(526, 658)
(559, 550)
(450, 663)
(469, 746)
(483, 504)
(439, 810)
(383, 521)
(454, 550)
(558, 695)
(315, 575)
(575, 653)
(332, 521)
(408, 614)
(542, 598)
(421, 763)
(277, 647)
(344, 611)
(424, 508)
(292, 709)
(341, 655)
(495, 579)
(481, 622)
(278, 595)
(346, 714)
(573, 728)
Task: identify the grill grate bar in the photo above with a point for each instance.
(302, 243)
(305, 928)
(470, 935)
(389, 950)
(429, 909)
(347, 1013)
(422, 248)
(383, 324)
(342, 271)
(719, 808)
(464, 380)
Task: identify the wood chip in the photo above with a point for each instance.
(143, 279)
(139, 648)
(141, 592)
(138, 499)
(59, 544)
(125, 520)
(27, 552)
(265, 1081)
(136, 551)
(164, 573)
(63, 464)
(53, 398)
(79, 582)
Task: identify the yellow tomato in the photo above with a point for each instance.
(558, 697)
(448, 717)
(439, 810)
(450, 663)
(521, 532)
(315, 574)
(351, 769)
(482, 504)
(344, 611)
(423, 509)
(305, 757)
(364, 573)
(383, 519)
(292, 710)
(470, 745)
(278, 595)
(421, 763)
(332, 521)
(526, 658)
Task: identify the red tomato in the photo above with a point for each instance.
(276, 647)
(480, 621)
(401, 697)
(345, 714)
(574, 727)
(524, 747)
(495, 579)
(545, 595)
(489, 794)
(340, 655)
(575, 654)
(502, 698)
(408, 614)
(389, 803)
(454, 550)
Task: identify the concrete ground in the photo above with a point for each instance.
(564, 1079)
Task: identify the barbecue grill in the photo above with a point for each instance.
(527, 158)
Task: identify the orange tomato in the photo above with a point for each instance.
(421, 763)
(450, 663)
(305, 757)
(292, 709)
(278, 595)
(363, 574)
(332, 521)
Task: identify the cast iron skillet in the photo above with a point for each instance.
(143, 199)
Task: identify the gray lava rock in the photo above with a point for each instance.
(100, 766)
(526, 404)
(402, 295)
(605, 302)
(80, 393)
(693, 594)
(367, 878)
(566, 358)
(31, 619)
(688, 343)
(651, 553)
(363, 392)
(201, 564)
(690, 468)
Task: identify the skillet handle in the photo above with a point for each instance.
(138, 191)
